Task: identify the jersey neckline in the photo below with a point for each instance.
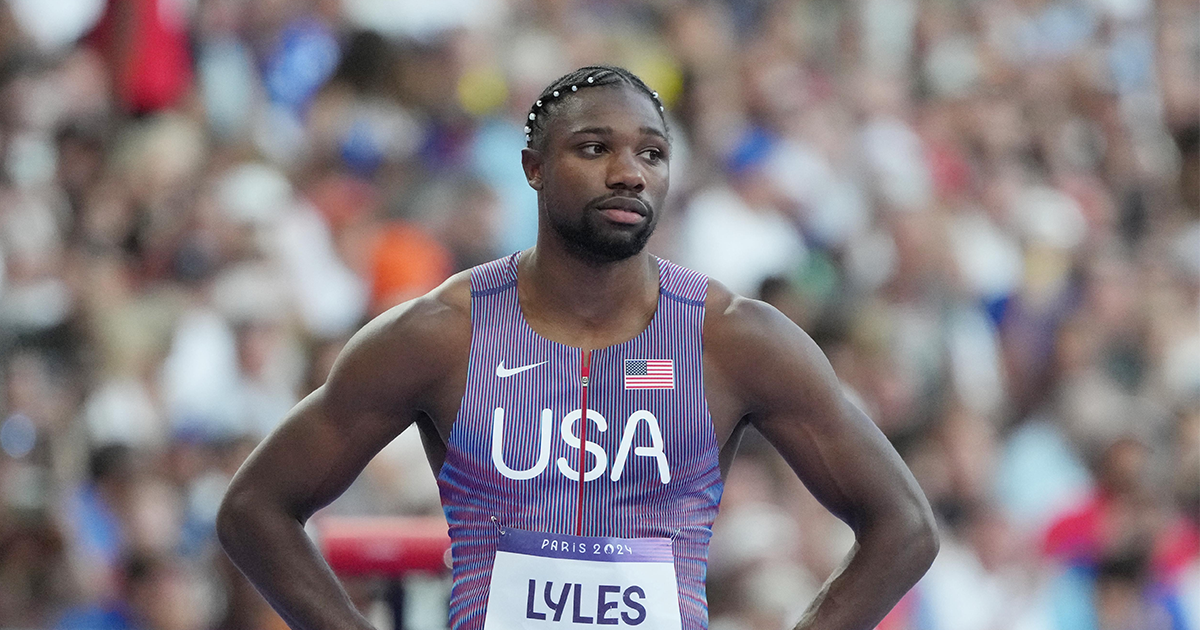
(515, 258)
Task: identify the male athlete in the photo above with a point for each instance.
(580, 403)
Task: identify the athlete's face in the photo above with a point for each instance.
(602, 173)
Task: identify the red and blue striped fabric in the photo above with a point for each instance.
(511, 461)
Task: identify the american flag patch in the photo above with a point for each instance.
(649, 374)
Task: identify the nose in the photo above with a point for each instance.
(625, 173)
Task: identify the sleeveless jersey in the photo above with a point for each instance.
(512, 457)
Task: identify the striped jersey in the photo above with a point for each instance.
(512, 458)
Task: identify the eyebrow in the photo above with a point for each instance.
(608, 131)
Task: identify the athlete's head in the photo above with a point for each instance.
(598, 155)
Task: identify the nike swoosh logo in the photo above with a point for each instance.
(503, 372)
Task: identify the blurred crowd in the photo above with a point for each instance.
(986, 212)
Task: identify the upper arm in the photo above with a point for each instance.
(792, 397)
(378, 385)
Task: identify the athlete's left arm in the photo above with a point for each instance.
(791, 395)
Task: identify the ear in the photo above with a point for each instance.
(531, 161)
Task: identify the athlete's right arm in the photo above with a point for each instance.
(386, 375)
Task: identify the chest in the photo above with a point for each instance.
(522, 412)
(532, 396)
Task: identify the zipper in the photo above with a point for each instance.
(585, 360)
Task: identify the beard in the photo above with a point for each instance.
(595, 240)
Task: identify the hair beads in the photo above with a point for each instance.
(591, 76)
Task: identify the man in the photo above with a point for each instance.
(605, 524)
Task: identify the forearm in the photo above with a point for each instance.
(883, 565)
(273, 551)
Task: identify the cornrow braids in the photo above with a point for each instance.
(589, 76)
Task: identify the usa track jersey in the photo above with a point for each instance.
(513, 453)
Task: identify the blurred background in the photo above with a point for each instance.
(985, 211)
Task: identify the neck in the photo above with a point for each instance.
(584, 303)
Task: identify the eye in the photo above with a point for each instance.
(654, 156)
(592, 149)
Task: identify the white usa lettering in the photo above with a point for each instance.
(655, 449)
(572, 440)
(626, 449)
(498, 447)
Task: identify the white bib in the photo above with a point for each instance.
(549, 581)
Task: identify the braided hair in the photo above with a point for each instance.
(585, 77)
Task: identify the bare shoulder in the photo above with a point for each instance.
(760, 353)
(435, 318)
(399, 356)
(734, 323)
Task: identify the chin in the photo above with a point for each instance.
(607, 251)
(601, 242)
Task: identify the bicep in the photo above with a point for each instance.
(315, 453)
(839, 454)
(373, 393)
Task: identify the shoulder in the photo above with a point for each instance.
(435, 317)
(730, 318)
(409, 347)
(761, 353)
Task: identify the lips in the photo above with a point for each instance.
(624, 204)
(624, 210)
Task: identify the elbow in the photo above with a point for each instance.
(229, 519)
(925, 540)
(907, 533)
(235, 518)
(921, 539)
(248, 514)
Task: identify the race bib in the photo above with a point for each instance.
(547, 581)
